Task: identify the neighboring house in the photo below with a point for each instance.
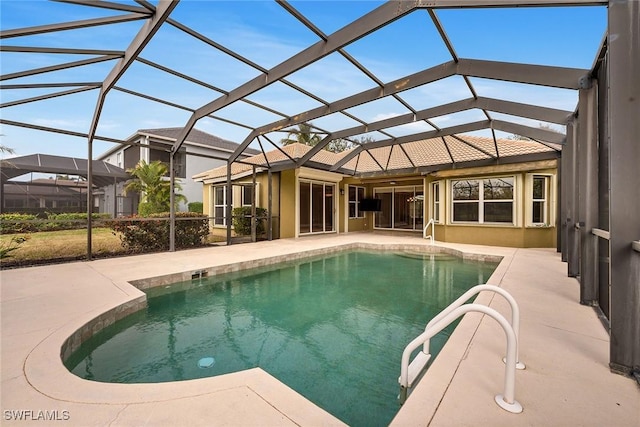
(200, 151)
(51, 195)
(473, 194)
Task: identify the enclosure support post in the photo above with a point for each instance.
(624, 203)
(115, 197)
(253, 204)
(587, 188)
(571, 201)
(172, 203)
(228, 211)
(270, 206)
(2, 181)
(89, 196)
(560, 210)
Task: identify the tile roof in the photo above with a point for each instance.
(423, 153)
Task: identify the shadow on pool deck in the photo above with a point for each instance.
(567, 380)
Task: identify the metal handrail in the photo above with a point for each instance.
(515, 313)
(424, 232)
(507, 400)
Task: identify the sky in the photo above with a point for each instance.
(264, 33)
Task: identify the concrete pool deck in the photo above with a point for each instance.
(563, 344)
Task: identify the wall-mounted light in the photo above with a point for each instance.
(392, 182)
(342, 191)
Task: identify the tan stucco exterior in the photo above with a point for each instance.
(522, 233)
(288, 204)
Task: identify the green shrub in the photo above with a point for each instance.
(17, 227)
(151, 234)
(69, 221)
(195, 207)
(242, 220)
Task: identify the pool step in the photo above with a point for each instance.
(416, 366)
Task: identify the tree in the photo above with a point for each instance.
(303, 136)
(4, 149)
(544, 126)
(339, 145)
(150, 182)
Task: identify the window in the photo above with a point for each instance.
(483, 200)
(435, 202)
(220, 204)
(119, 159)
(355, 195)
(540, 200)
(247, 194)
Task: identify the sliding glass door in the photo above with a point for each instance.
(316, 207)
(402, 208)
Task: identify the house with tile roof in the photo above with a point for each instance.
(476, 190)
(201, 151)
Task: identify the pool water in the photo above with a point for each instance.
(333, 328)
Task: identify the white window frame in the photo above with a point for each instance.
(548, 200)
(356, 202)
(436, 208)
(242, 195)
(481, 201)
(217, 205)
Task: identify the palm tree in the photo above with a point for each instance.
(155, 190)
(303, 136)
(4, 149)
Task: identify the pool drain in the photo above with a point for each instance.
(206, 362)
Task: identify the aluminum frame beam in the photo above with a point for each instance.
(60, 131)
(528, 131)
(106, 5)
(142, 38)
(468, 127)
(423, 170)
(542, 75)
(357, 29)
(48, 96)
(58, 67)
(60, 50)
(42, 29)
(536, 74)
(470, 4)
(587, 189)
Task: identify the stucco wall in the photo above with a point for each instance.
(287, 202)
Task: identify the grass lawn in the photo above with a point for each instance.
(61, 244)
(65, 244)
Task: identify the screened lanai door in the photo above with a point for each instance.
(317, 201)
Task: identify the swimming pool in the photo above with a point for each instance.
(331, 328)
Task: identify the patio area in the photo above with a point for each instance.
(565, 347)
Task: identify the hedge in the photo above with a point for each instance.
(195, 207)
(148, 234)
(242, 220)
(11, 223)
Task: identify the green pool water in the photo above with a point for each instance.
(333, 328)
